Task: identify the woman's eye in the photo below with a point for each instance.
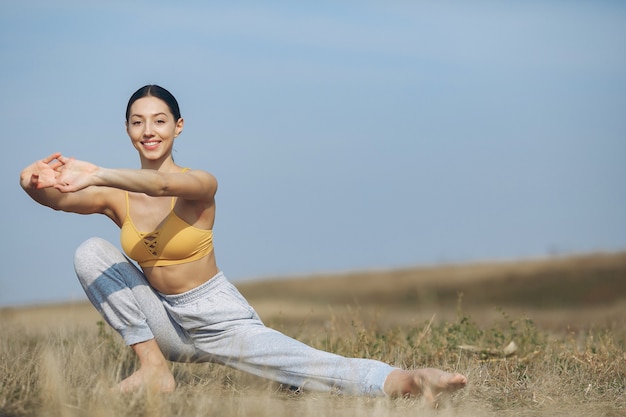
(135, 123)
(160, 121)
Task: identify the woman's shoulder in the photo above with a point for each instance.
(200, 174)
(196, 184)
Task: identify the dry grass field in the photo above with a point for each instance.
(566, 316)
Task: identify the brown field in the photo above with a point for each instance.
(567, 317)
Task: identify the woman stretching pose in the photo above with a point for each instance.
(179, 306)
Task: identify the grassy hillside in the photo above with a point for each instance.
(582, 288)
(583, 281)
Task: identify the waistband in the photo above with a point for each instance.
(195, 293)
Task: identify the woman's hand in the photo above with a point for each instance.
(74, 175)
(42, 173)
(52, 181)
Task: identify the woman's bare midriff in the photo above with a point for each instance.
(177, 279)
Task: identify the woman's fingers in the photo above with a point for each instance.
(55, 161)
(64, 159)
(56, 164)
(52, 157)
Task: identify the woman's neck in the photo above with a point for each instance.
(165, 165)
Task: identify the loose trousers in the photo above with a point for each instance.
(213, 323)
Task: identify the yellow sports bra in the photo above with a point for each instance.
(174, 242)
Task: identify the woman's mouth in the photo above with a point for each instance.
(150, 144)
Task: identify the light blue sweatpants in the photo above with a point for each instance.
(213, 323)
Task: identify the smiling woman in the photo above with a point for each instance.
(179, 305)
(149, 124)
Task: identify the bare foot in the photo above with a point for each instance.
(433, 383)
(429, 383)
(153, 374)
(151, 379)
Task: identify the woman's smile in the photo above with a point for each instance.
(151, 144)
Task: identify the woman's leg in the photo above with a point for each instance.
(228, 331)
(120, 292)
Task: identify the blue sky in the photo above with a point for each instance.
(345, 135)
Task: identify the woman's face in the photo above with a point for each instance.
(152, 128)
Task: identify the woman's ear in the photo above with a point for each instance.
(179, 126)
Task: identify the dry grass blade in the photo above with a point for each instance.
(483, 352)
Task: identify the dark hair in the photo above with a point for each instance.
(152, 90)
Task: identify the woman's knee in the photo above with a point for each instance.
(92, 253)
(88, 248)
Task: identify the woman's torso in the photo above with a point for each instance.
(149, 214)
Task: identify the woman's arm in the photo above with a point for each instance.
(78, 175)
(40, 178)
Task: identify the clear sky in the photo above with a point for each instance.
(346, 135)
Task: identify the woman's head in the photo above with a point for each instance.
(152, 90)
(153, 121)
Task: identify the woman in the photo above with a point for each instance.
(179, 306)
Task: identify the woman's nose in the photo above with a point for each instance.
(148, 129)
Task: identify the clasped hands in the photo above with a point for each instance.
(60, 172)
